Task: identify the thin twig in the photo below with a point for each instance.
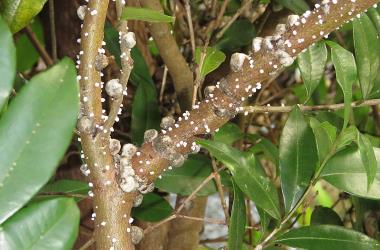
(87, 244)
(53, 35)
(233, 19)
(220, 191)
(36, 43)
(163, 84)
(190, 23)
(327, 107)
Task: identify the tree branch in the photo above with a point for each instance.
(227, 97)
(172, 56)
(327, 107)
(112, 206)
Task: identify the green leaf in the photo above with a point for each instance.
(346, 74)
(327, 237)
(236, 229)
(263, 145)
(66, 186)
(367, 49)
(346, 137)
(185, 179)
(153, 208)
(33, 137)
(312, 66)
(18, 13)
(248, 175)
(49, 224)
(145, 113)
(148, 15)
(345, 171)
(7, 62)
(375, 18)
(325, 135)
(298, 157)
(368, 157)
(296, 6)
(238, 35)
(212, 60)
(325, 216)
(27, 55)
(228, 133)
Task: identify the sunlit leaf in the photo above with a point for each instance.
(33, 137)
(213, 58)
(148, 15)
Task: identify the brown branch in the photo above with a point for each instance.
(237, 85)
(36, 43)
(327, 107)
(170, 53)
(219, 186)
(111, 205)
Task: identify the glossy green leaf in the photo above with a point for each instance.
(228, 133)
(327, 237)
(62, 187)
(33, 137)
(298, 157)
(346, 137)
(247, 174)
(236, 229)
(45, 225)
(148, 15)
(145, 113)
(325, 216)
(185, 179)
(312, 66)
(375, 18)
(7, 62)
(345, 171)
(367, 49)
(296, 6)
(263, 145)
(27, 55)
(368, 157)
(153, 208)
(325, 135)
(346, 75)
(18, 13)
(238, 35)
(212, 60)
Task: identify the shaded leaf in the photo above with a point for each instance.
(33, 137)
(325, 135)
(298, 157)
(148, 15)
(345, 171)
(296, 6)
(325, 216)
(367, 49)
(18, 13)
(145, 113)
(7, 62)
(49, 224)
(327, 237)
(185, 179)
(27, 55)
(265, 146)
(212, 60)
(346, 74)
(153, 208)
(312, 66)
(368, 158)
(228, 133)
(236, 229)
(247, 174)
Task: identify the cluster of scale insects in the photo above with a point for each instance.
(162, 143)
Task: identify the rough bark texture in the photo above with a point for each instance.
(170, 53)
